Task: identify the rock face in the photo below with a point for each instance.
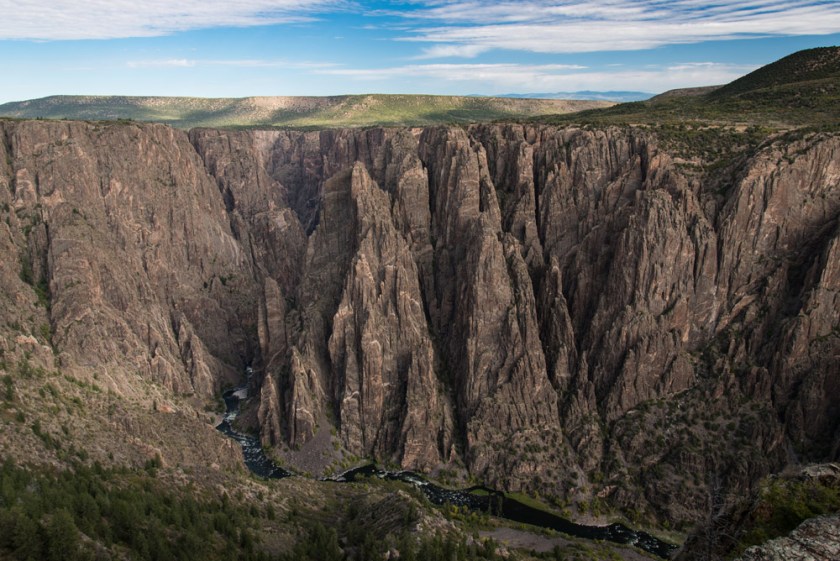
(815, 540)
(575, 312)
(791, 515)
(125, 232)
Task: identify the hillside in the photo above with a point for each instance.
(802, 89)
(803, 66)
(348, 110)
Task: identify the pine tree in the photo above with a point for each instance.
(26, 539)
(62, 537)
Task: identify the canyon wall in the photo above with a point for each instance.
(575, 312)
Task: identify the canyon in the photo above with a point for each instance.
(598, 315)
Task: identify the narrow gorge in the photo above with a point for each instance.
(603, 316)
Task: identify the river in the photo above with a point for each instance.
(490, 500)
(255, 458)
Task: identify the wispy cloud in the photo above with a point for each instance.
(456, 28)
(237, 63)
(608, 25)
(109, 19)
(503, 78)
(167, 63)
(446, 51)
(455, 72)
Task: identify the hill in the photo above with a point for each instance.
(348, 110)
(802, 66)
(802, 89)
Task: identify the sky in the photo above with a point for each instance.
(239, 48)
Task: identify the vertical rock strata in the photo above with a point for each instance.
(563, 310)
(125, 236)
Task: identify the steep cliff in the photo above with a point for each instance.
(126, 303)
(127, 240)
(591, 314)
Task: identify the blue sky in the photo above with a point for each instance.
(238, 48)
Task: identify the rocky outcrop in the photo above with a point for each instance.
(790, 516)
(816, 539)
(380, 348)
(567, 310)
(483, 309)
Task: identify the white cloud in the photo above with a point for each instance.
(109, 19)
(444, 51)
(505, 78)
(455, 28)
(608, 25)
(238, 63)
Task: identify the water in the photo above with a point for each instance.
(497, 504)
(492, 501)
(255, 458)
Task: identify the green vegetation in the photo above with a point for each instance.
(808, 65)
(802, 89)
(299, 112)
(579, 552)
(90, 512)
(531, 502)
(320, 544)
(784, 505)
(8, 389)
(45, 515)
(449, 548)
(41, 287)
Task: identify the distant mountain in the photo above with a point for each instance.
(617, 96)
(335, 111)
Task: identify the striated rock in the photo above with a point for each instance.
(566, 277)
(270, 414)
(129, 238)
(571, 311)
(304, 401)
(510, 161)
(257, 203)
(484, 309)
(271, 326)
(380, 350)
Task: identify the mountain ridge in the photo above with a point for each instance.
(608, 95)
(292, 111)
(800, 90)
(802, 66)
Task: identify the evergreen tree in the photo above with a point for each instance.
(62, 537)
(26, 539)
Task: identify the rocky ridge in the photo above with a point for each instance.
(816, 539)
(791, 515)
(560, 310)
